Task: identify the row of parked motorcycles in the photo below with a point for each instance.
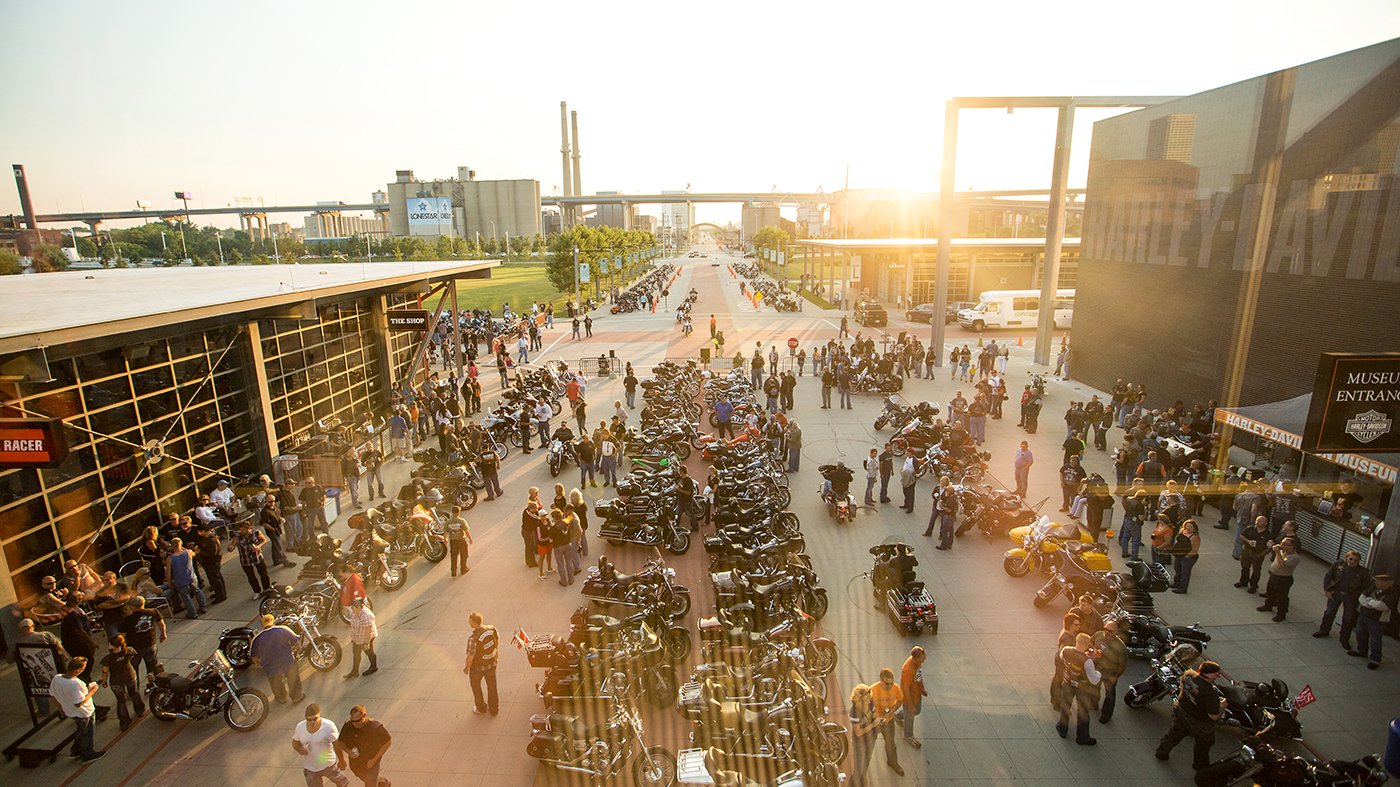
(757, 699)
(779, 298)
(635, 297)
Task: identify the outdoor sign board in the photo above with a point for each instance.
(408, 320)
(31, 442)
(584, 272)
(1355, 404)
(429, 210)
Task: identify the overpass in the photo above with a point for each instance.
(786, 198)
(248, 216)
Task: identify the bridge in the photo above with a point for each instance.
(785, 198)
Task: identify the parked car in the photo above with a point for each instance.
(954, 308)
(922, 313)
(871, 313)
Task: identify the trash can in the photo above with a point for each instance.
(333, 496)
(1392, 749)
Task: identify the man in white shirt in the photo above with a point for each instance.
(207, 513)
(314, 739)
(222, 497)
(75, 698)
(543, 412)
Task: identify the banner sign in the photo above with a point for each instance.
(31, 442)
(1355, 404)
(603, 264)
(782, 258)
(1377, 470)
(429, 210)
(584, 273)
(408, 320)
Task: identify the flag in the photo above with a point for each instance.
(520, 640)
(1305, 697)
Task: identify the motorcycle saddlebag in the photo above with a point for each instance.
(1150, 577)
(545, 745)
(551, 651)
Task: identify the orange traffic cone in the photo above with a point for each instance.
(1018, 341)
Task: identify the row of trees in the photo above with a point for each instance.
(593, 244)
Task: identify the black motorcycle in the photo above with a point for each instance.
(635, 668)
(208, 690)
(323, 651)
(1265, 766)
(899, 593)
(661, 530)
(561, 452)
(606, 586)
(589, 630)
(601, 751)
(1257, 708)
(722, 643)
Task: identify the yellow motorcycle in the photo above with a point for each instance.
(1043, 538)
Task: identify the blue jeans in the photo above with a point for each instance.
(82, 742)
(870, 491)
(772, 405)
(1183, 572)
(543, 429)
(1349, 606)
(756, 379)
(885, 488)
(1110, 696)
(549, 320)
(585, 471)
(1368, 638)
(906, 716)
(493, 486)
(845, 398)
(294, 528)
(370, 478)
(632, 399)
(979, 429)
(189, 594)
(522, 356)
(794, 458)
(1130, 538)
(608, 468)
(354, 484)
(1023, 480)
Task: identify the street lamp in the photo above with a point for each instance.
(493, 232)
(219, 238)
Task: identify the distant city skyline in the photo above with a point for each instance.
(296, 103)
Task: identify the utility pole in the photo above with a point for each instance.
(576, 278)
(219, 238)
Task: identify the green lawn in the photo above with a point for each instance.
(519, 283)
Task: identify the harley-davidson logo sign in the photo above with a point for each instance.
(1368, 426)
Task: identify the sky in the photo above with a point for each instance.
(297, 102)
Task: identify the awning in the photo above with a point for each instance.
(1283, 422)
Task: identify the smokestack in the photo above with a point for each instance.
(565, 211)
(28, 207)
(578, 179)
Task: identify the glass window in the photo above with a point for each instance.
(37, 544)
(95, 366)
(80, 462)
(105, 393)
(114, 420)
(19, 518)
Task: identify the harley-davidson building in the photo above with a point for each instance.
(161, 381)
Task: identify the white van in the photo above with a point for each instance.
(1015, 309)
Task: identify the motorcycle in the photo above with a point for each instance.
(737, 645)
(601, 751)
(740, 585)
(1265, 766)
(322, 651)
(605, 586)
(601, 631)
(1045, 537)
(899, 593)
(560, 451)
(1257, 708)
(774, 733)
(420, 533)
(665, 533)
(208, 690)
(1070, 574)
(636, 668)
(839, 501)
(713, 766)
(994, 512)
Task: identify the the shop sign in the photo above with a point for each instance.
(1355, 404)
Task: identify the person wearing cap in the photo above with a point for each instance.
(314, 739)
(1377, 608)
(222, 497)
(1286, 560)
(363, 632)
(1197, 709)
(273, 650)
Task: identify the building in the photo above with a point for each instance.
(331, 225)
(1170, 138)
(463, 207)
(679, 217)
(755, 217)
(614, 215)
(160, 396)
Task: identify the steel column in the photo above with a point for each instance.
(1054, 236)
(945, 228)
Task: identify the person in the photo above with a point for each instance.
(529, 525)
(144, 630)
(206, 511)
(872, 472)
(1079, 676)
(459, 536)
(75, 632)
(629, 386)
(1071, 476)
(568, 560)
(249, 544)
(843, 388)
(363, 632)
(587, 453)
(686, 491)
(352, 587)
(846, 334)
(1069, 633)
(350, 470)
(864, 732)
(888, 698)
(363, 742)
(911, 685)
(580, 509)
(588, 326)
(1342, 585)
(945, 513)
(1196, 710)
(274, 526)
(1134, 513)
(1187, 550)
(1111, 661)
(1024, 460)
(119, 673)
(828, 382)
(209, 552)
(273, 649)
(75, 698)
(313, 503)
(489, 464)
(1254, 547)
(607, 458)
(482, 651)
(1285, 562)
(794, 446)
(886, 471)
(544, 542)
(1376, 609)
(314, 739)
(179, 566)
(908, 480)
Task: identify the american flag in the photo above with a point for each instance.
(521, 639)
(1305, 697)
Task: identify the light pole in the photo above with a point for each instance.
(493, 233)
(219, 238)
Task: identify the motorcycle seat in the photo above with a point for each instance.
(772, 588)
(913, 588)
(734, 716)
(721, 777)
(174, 681)
(1186, 632)
(1233, 693)
(605, 622)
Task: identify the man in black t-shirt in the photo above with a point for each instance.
(144, 630)
(363, 741)
(1071, 475)
(1196, 711)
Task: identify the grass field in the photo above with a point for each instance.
(519, 283)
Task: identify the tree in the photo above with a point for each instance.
(49, 258)
(520, 246)
(86, 248)
(10, 264)
(537, 245)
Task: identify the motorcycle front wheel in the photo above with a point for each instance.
(465, 497)
(835, 747)
(553, 467)
(392, 578)
(678, 643)
(678, 606)
(435, 550)
(661, 687)
(556, 406)
(682, 450)
(679, 543)
(252, 714)
(655, 767)
(515, 439)
(1135, 697)
(324, 654)
(815, 604)
(1017, 566)
(823, 659)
